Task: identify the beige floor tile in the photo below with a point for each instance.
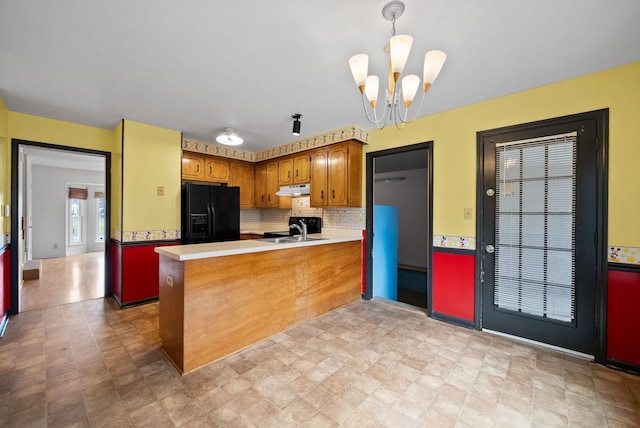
(368, 364)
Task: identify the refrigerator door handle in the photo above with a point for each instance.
(209, 222)
(212, 221)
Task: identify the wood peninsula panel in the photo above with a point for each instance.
(235, 301)
(171, 306)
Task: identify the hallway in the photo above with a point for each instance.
(65, 280)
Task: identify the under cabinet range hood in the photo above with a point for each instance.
(294, 190)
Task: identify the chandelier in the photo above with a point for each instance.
(398, 50)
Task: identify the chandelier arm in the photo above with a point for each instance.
(406, 111)
(375, 120)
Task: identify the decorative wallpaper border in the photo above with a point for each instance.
(457, 242)
(623, 255)
(616, 254)
(348, 133)
(146, 235)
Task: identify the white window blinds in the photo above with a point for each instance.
(535, 227)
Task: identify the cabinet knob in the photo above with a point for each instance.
(322, 194)
(333, 193)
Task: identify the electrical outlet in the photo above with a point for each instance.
(160, 190)
(170, 280)
(467, 213)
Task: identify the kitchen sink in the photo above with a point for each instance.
(290, 239)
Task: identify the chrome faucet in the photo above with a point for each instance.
(302, 230)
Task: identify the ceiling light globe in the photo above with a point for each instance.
(229, 138)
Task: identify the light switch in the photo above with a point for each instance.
(160, 190)
(467, 213)
(170, 280)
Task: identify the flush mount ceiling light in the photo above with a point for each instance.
(296, 124)
(229, 138)
(398, 50)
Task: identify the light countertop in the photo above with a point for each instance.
(229, 248)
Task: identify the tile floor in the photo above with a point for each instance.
(366, 365)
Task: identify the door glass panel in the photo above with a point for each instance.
(535, 227)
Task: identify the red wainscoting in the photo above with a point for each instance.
(623, 317)
(134, 272)
(454, 284)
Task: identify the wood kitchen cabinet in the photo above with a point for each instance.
(294, 169)
(336, 175)
(285, 171)
(260, 184)
(217, 170)
(242, 175)
(192, 166)
(267, 184)
(301, 169)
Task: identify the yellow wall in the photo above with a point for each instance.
(51, 131)
(5, 175)
(151, 158)
(454, 136)
(116, 180)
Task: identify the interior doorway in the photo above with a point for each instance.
(399, 225)
(59, 224)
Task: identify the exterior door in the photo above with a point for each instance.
(540, 249)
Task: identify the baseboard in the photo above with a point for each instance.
(623, 365)
(134, 303)
(452, 320)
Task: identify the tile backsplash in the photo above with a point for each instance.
(335, 218)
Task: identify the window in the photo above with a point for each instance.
(75, 219)
(100, 216)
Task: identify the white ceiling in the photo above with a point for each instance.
(198, 66)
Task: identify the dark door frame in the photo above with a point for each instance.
(368, 293)
(602, 172)
(15, 231)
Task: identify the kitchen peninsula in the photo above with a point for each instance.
(219, 298)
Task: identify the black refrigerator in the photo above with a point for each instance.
(210, 213)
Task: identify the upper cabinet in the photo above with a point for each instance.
(218, 170)
(301, 168)
(192, 166)
(242, 175)
(285, 171)
(267, 183)
(336, 175)
(201, 167)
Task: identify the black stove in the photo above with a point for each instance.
(314, 225)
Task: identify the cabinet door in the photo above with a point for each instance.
(272, 184)
(217, 170)
(318, 193)
(261, 185)
(242, 176)
(301, 169)
(192, 167)
(285, 171)
(338, 173)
